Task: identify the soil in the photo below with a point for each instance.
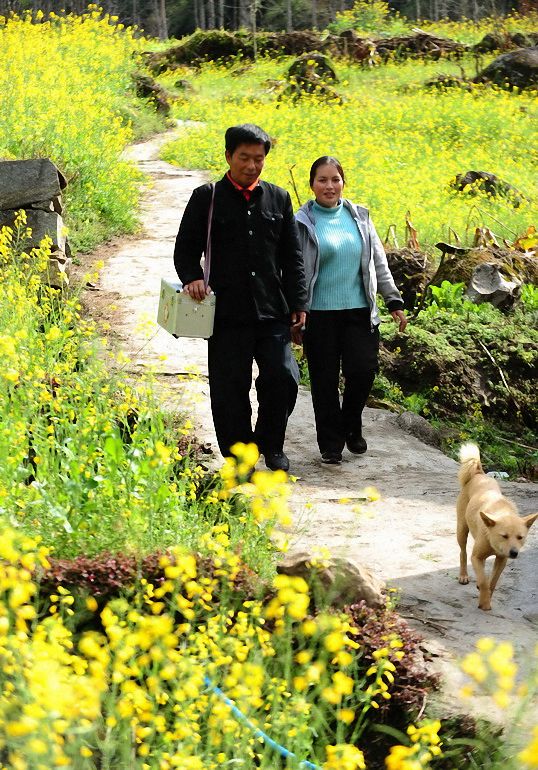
(407, 538)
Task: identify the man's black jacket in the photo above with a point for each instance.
(257, 270)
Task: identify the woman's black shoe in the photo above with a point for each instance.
(331, 458)
(277, 461)
(356, 444)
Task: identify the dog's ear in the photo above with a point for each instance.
(488, 521)
(529, 520)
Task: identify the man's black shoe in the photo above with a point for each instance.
(277, 461)
(356, 444)
(331, 458)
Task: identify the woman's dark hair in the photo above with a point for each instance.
(322, 162)
(247, 133)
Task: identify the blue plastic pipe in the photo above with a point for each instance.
(256, 730)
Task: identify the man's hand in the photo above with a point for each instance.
(399, 318)
(298, 320)
(197, 290)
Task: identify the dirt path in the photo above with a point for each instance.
(408, 537)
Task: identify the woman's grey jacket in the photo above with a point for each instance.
(375, 271)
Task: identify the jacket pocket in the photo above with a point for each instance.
(272, 223)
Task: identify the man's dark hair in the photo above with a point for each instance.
(326, 160)
(247, 133)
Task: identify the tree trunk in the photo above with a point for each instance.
(159, 9)
(135, 18)
(314, 14)
(199, 14)
(220, 22)
(164, 21)
(211, 14)
(289, 17)
(244, 14)
(253, 29)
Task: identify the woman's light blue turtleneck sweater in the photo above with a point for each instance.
(339, 283)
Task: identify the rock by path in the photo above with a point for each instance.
(407, 538)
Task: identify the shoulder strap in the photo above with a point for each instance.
(207, 253)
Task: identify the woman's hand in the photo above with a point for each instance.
(399, 318)
(298, 320)
(197, 290)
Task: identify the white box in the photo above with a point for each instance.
(182, 316)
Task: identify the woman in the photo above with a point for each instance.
(345, 266)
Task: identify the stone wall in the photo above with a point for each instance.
(36, 186)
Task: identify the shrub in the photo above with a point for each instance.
(368, 17)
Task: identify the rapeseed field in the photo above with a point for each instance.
(400, 144)
(67, 94)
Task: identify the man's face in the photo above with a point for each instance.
(246, 163)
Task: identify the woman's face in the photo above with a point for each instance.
(327, 185)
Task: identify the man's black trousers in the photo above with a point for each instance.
(231, 353)
(340, 340)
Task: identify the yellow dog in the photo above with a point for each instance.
(493, 521)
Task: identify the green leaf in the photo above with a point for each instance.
(114, 449)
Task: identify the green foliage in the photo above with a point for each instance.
(387, 391)
(529, 297)
(416, 402)
(448, 295)
(368, 17)
(451, 297)
(471, 369)
(501, 448)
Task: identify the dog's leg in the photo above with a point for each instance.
(498, 566)
(479, 566)
(462, 534)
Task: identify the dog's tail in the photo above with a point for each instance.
(470, 463)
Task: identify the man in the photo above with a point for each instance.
(257, 275)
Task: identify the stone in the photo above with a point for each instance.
(58, 270)
(503, 41)
(312, 73)
(419, 427)
(54, 204)
(515, 69)
(472, 181)
(488, 285)
(43, 205)
(459, 266)
(313, 67)
(25, 181)
(492, 41)
(148, 88)
(183, 85)
(343, 579)
(41, 223)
